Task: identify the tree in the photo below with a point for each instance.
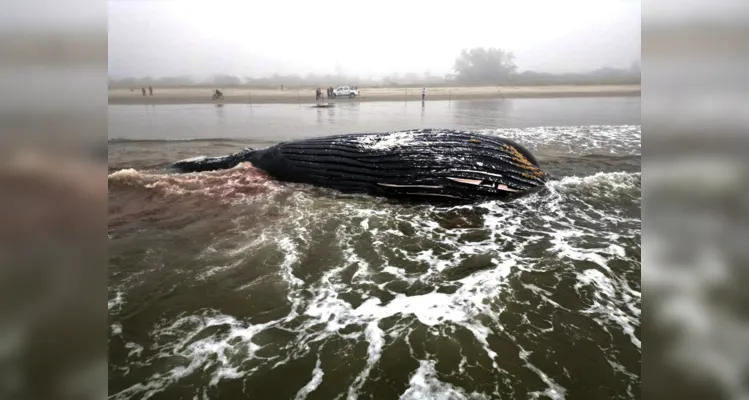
(484, 66)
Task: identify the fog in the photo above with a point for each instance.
(365, 39)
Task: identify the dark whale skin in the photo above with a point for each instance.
(419, 165)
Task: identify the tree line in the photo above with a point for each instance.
(493, 66)
(477, 66)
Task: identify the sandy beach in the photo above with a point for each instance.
(270, 96)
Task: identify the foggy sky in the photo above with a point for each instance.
(365, 38)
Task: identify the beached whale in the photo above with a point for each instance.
(419, 165)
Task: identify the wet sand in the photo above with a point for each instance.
(271, 96)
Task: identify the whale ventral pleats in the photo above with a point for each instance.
(412, 164)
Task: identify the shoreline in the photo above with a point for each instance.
(307, 96)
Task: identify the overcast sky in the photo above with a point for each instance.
(364, 38)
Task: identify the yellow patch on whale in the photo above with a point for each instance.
(524, 163)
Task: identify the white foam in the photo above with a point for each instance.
(198, 158)
(430, 309)
(318, 310)
(374, 336)
(135, 349)
(213, 270)
(291, 256)
(424, 385)
(602, 180)
(315, 381)
(576, 140)
(388, 141)
(125, 173)
(198, 353)
(606, 303)
(115, 304)
(554, 390)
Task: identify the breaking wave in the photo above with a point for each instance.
(447, 294)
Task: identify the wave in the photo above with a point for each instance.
(130, 140)
(541, 134)
(229, 182)
(601, 180)
(391, 271)
(216, 183)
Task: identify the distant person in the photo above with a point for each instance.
(423, 93)
(150, 90)
(143, 90)
(282, 88)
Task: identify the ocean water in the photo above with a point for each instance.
(228, 284)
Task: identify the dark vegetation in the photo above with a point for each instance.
(473, 67)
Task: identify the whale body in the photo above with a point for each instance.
(420, 165)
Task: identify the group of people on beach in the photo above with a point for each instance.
(318, 92)
(319, 95)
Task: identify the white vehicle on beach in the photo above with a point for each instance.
(345, 91)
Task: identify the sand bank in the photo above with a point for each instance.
(307, 96)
